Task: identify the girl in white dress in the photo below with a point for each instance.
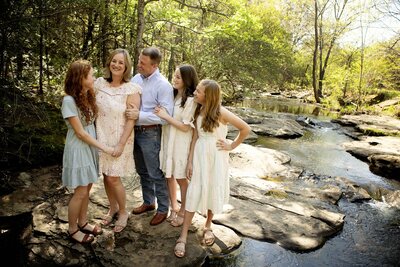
(208, 160)
(176, 138)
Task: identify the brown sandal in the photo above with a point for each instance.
(87, 238)
(90, 229)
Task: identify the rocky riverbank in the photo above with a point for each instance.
(270, 200)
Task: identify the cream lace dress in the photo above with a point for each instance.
(209, 186)
(175, 144)
(110, 123)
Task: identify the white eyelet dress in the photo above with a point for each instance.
(209, 186)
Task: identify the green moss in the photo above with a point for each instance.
(277, 193)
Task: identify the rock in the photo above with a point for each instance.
(383, 154)
(233, 132)
(393, 199)
(386, 165)
(278, 128)
(369, 124)
(268, 202)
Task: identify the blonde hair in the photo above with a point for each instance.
(126, 77)
(212, 105)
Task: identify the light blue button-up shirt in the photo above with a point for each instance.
(156, 91)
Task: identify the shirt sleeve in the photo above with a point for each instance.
(188, 112)
(165, 99)
(68, 107)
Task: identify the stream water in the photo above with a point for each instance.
(371, 233)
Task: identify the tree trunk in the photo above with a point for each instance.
(89, 35)
(321, 49)
(40, 92)
(139, 33)
(104, 33)
(315, 54)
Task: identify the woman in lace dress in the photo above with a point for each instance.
(80, 159)
(115, 93)
(208, 160)
(177, 135)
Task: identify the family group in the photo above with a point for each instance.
(168, 134)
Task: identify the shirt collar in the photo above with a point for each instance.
(156, 72)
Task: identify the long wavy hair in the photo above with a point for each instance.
(212, 105)
(126, 77)
(85, 100)
(190, 81)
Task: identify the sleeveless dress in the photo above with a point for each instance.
(175, 144)
(80, 160)
(110, 123)
(209, 186)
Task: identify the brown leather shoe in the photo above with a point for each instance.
(158, 218)
(143, 208)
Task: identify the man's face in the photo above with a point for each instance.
(145, 66)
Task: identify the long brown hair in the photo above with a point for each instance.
(212, 105)
(86, 101)
(190, 81)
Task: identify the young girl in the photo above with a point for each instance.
(208, 190)
(177, 136)
(80, 166)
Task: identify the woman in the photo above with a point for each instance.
(177, 135)
(208, 160)
(80, 159)
(115, 93)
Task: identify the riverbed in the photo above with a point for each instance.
(371, 233)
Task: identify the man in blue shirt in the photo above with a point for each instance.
(156, 91)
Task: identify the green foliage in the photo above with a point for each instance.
(32, 132)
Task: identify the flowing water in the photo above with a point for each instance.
(371, 233)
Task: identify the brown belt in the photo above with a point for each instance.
(147, 127)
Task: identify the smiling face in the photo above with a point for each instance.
(146, 67)
(117, 65)
(177, 81)
(199, 94)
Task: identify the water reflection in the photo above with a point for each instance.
(285, 105)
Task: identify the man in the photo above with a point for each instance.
(156, 91)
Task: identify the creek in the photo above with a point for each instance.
(371, 233)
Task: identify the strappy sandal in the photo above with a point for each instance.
(178, 221)
(90, 229)
(172, 216)
(121, 223)
(180, 247)
(87, 238)
(208, 237)
(108, 218)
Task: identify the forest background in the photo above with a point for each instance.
(250, 47)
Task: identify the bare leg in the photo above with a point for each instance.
(83, 218)
(74, 210)
(109, 187)
(117, 193)
(210, 216)
(187, 221)
(183, 185)
(171, 182)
